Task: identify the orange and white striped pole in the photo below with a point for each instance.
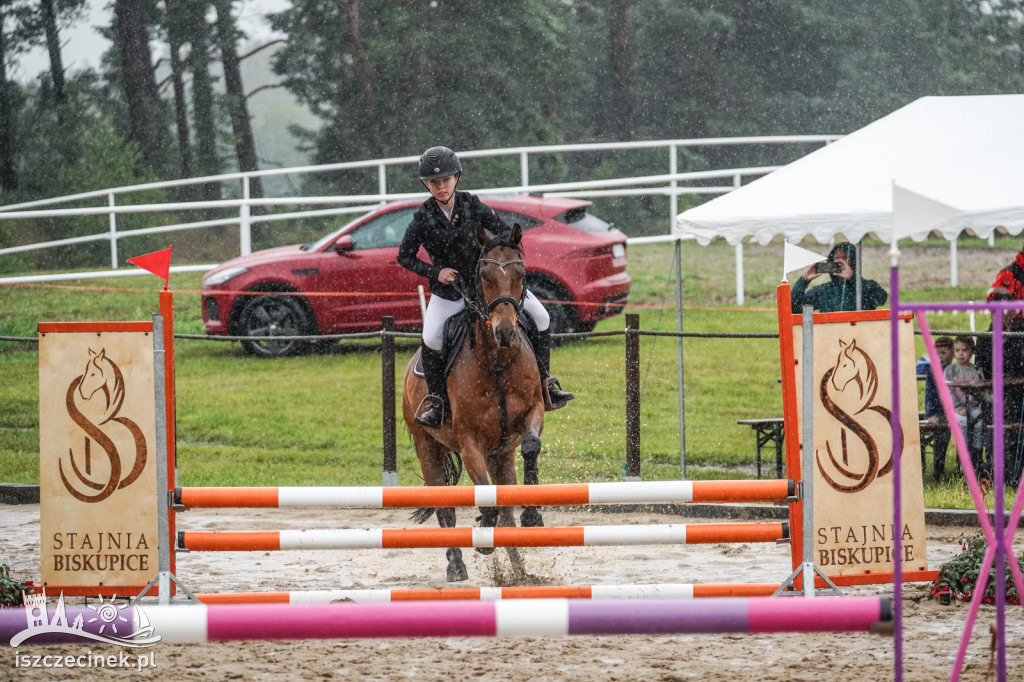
(407, 538)
(643, 492)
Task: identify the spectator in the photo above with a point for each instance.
(840, 292)
(933, 412)
(1013, 366)
(968, 411)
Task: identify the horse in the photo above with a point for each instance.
(494, 391)
(847, 392)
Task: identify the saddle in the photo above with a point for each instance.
(455, 329)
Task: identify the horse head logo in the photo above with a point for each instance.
(847, 392)
(855, 366)
(92, 400)
(101, 374)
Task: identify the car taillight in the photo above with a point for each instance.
(592, 252)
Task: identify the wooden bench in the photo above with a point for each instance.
(768, 431)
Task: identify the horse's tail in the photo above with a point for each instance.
(452, 464)
(452, 468)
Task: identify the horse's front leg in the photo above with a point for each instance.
(530, 450)
(502, 466)
(474, 459)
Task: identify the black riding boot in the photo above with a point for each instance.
(436, 411)
(556, 397)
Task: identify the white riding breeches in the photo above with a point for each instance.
(440, 309)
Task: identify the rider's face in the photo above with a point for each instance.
(442, 189)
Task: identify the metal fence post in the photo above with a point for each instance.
(113, 232)
(387, 392)
(632, 397)
(244, 224)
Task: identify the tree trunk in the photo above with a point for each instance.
(53, 47)
(622, 94)
(241, 124)
(131, 37)
(366, 74)
(8, 176)
(180, 110)
(203, 116)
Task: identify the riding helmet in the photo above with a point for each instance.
(439, 162)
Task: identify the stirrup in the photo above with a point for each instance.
(435, 415)
(554, 397)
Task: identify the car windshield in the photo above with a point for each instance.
(330, 236)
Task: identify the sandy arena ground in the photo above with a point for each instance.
(932, 631)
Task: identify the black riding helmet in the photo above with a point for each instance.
(439, 162)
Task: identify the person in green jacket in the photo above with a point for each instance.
(840, 292)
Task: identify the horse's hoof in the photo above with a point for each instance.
(485, 550)
(457, 573)
(531, 518)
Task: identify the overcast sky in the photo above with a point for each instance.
(83, 45)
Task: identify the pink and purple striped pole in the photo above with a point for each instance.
(535, 618)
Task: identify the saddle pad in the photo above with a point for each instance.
(455, 328)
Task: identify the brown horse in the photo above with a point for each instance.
(494, 391)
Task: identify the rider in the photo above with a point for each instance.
(445, 226)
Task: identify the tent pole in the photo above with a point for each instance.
(857, 275)
(954, 266)
(679, 358)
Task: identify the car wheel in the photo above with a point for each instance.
(563, 317)
(266, 317)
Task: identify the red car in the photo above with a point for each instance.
(349, 279)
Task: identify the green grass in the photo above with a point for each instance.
(316, 420)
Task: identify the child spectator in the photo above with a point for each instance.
(963, 370)
(933, 411)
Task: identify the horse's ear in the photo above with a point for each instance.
(102, 354)
(516, 235)
(481, 236)
(92, 352)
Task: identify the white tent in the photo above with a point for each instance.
(966, 152)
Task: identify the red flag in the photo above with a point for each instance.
(158, 262)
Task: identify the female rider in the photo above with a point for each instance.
(445, 226)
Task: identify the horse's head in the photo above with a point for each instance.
(500, 273)
(853, 364)
(101, 375)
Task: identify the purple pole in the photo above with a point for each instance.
(998, 465)
(897, 446)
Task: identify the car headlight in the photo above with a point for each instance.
(618, 250)
(224, 276)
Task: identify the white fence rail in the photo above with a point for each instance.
(672, 184)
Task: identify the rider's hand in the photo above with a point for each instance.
(447, 276)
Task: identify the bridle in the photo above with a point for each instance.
(478, 303)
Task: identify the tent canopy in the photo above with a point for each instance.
(966, 152)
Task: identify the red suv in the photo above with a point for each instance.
(349, 279)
